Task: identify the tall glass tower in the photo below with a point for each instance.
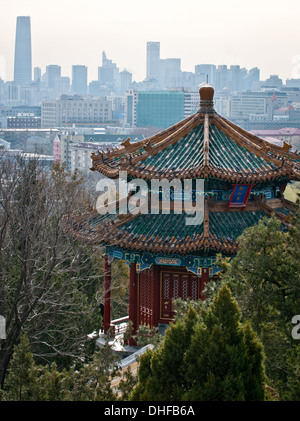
(23, 65)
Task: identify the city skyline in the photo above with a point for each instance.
(74, 32)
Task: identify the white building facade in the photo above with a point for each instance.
(75, 110)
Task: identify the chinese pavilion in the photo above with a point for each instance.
(244, 180)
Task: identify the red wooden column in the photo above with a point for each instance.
(133, 300)
(155, 295)
(107, 295)
(204, 280)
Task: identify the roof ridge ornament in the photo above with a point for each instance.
(126, 143)
(206, 92)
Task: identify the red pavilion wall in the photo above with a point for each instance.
(159, 285)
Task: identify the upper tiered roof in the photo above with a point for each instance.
(204, 145)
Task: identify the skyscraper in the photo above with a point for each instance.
(208, 71)
(79, 79)
(37, 74)
(170, 72)
(153, 60)
(53, 71)
(125, 80)
(108, 73)
(23, 65)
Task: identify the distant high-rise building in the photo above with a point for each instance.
(153, 60)
(78, 110)
(62, 85)
(95, 88)
(23, 62)
(235, 78)
(273, 81)
(191, 103)
(52, 72)
(154, 109)
(293, 83)
(170, 72)
(207, 72)
(79, 79)
(251, 80)
(37, 74)
(108, 73)
(105, 74)
(125, 80)
(244, 105)
(222, 77)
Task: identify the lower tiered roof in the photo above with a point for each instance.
(169, 233)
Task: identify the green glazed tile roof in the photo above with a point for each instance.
(184, 154)
(169, 233)
(164, 226)
(226, 153)
(231, 224)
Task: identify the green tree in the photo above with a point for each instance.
(127, 383)
(54, 385)
(162, 372)
(27, 381)
(93, 381)
(22, 382)
(264, 277)
(225, 359)
(146, 335)
(211, 357)
(292, 391)
(265, 272)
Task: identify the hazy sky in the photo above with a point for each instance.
(258, 33)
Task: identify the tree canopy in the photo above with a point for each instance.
(48, 280)
(211, 356)
(264, 277)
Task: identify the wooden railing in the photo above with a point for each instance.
(119, 326)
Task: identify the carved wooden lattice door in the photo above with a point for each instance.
(145, 297)
(176, 285)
